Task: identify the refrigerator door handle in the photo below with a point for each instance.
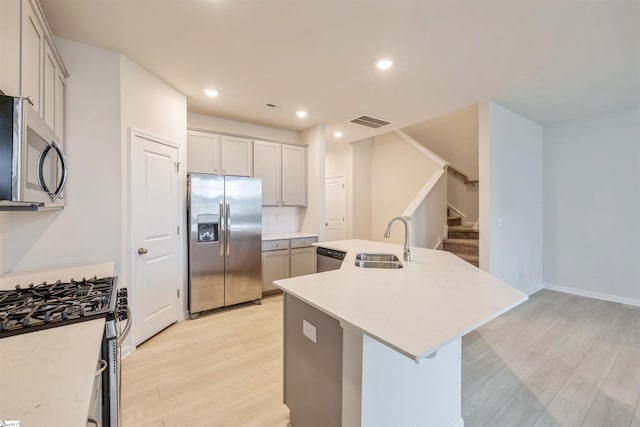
(228, 228)
(221, 221)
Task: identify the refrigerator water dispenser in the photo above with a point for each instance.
(207, 229)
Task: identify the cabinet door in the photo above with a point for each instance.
(303, 261)
(236, 156)
(32, 55)
(60, 96)
(10, 47)
(49, 87)
(275, 266)
(294, 175)
(202, 152)
(266, 165)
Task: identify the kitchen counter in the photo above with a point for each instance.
(47, 376)
(434, 299)
(386, 343)
(281, 236)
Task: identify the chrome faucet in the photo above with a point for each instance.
(407, 253)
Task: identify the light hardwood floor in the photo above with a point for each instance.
(556, 360)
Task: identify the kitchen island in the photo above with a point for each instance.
(382, 347)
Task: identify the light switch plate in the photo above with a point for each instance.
(309, 331)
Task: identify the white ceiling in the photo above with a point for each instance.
(548, 60)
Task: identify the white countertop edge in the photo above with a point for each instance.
(382, 247)
(284, 236)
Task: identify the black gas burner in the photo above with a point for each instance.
(36, 307)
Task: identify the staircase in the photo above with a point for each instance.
(463, 241)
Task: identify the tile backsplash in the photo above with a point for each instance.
(279, 220)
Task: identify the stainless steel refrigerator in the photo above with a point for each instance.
(225, 241)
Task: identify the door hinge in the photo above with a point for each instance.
(178, 292)
(177, 165)
(178, 230)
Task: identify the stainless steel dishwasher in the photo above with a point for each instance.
(328, 259)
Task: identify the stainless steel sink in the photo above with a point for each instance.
(376, 257)
(364, 260)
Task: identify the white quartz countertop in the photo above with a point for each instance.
(47, 376)
(435, 299)
(281, 236)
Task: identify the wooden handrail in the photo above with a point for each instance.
(465, 177)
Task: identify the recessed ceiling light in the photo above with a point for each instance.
(337, 134)
(301, 114)
(211, 92)
(384, 64)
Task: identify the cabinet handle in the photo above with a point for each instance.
(142, 251)
(30, 101)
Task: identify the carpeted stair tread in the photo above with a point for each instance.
(463, 232)
(463, 242)
(454, 220)
(462, 228)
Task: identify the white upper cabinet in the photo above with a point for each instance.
(60, 96)
(202, 152)
(49, 87)
(236, 156)
(31, 65)
(10, 47)
(32, 56)
(266, 165)
(294, 175)
(219, 154)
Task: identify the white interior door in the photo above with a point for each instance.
(155, 247)
(335, 208)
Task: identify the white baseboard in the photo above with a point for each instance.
(459, 423)
(532, 290)
(591, 294)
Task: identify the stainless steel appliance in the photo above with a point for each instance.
(47, 305)
(33, 169)
(225, 240)
(328, 259)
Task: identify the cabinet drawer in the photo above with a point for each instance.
(275, 245)
(303, 243)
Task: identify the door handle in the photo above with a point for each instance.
(142, 251)
(40, 170)
(228, 239)
(223, 228)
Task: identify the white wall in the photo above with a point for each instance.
(361, 152)
(216, 124)
(312, 217)
(454, 137)
(592, 205)
(150, 105)
(88, 229)
(514, 212)
(398, 173)
(429, 219)
(464, 197)
(339, 162)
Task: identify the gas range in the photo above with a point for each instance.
(46, 305)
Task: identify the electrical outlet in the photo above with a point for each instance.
(309, 331)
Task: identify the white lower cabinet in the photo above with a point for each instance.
(286, 258)
(275, 263)
(303, 261)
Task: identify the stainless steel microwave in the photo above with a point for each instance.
(33, 169)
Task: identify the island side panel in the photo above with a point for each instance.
(397, 391)
(312, 370)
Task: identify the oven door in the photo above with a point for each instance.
(44, 166)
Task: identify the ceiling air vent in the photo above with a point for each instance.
(369, 121)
